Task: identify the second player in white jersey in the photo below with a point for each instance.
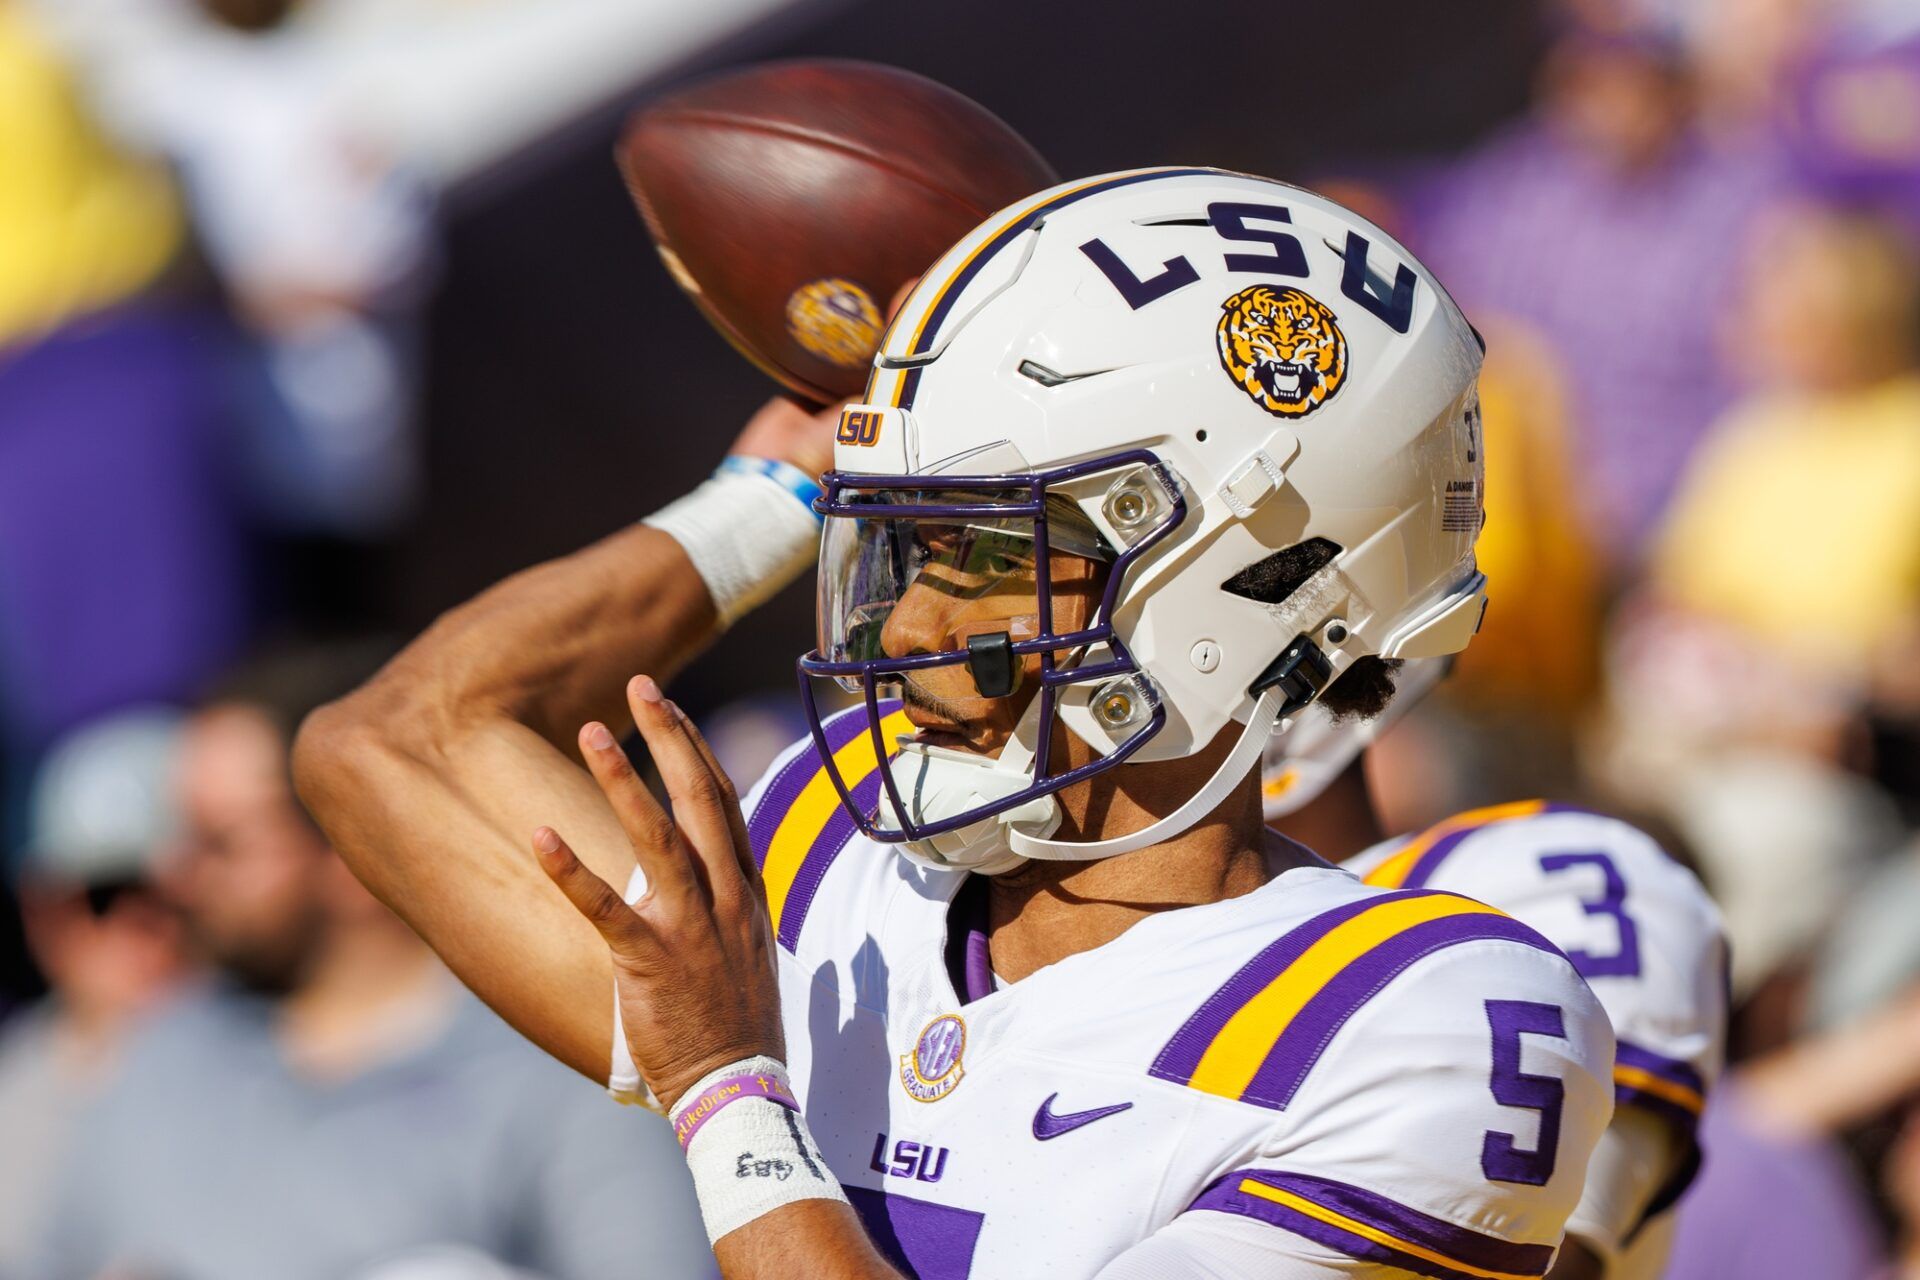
(1642, 931)
(1380, 1082)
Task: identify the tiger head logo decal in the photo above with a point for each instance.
(1283, 348)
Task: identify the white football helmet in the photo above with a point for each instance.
(1254, 410)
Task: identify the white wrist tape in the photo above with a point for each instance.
(749, 531)
(749, 1154)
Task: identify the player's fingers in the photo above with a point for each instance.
(656, 840)
(736, 820)
(787, 430)
(704, 804)
(623, 931)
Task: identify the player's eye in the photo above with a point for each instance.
(999, 555)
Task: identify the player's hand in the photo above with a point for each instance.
(786, 430)
(693, 959)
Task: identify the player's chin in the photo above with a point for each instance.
(982, 734)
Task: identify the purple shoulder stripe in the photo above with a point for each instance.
(1428, 863)
(1299, 1047)
(1666, 1086)
(821, 855)
(1369, 1226)
(793, 779)
(1182, 1055)
(1676, 1070)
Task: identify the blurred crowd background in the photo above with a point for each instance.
(315, 318)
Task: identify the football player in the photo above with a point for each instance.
(1005, 965)
(1636, 924)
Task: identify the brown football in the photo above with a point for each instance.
(792, 200)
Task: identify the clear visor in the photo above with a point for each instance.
(896, 586)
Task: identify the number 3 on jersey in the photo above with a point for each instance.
(1624, 962)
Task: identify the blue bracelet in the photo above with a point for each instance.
(785, 474)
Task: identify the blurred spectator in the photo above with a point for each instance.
(1609, 224)
(1901, 1184)
(1747, 52)
(1784, 841)
(1535, 652)
(1871, 957)
(120, 561)
(320, 237)
(1770, 1207)
(334, 1103)
(110, 949)
(1854, 118)
(1783, 586)
(1813, 482)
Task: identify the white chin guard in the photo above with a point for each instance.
(934, 781)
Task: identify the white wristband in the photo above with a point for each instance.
(749, 531)
(752, 1155)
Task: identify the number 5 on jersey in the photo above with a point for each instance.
(1502, 1159)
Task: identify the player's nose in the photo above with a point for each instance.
(919, 623)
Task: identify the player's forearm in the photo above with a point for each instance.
(814, 1238)
(430, 780)
(551, 648)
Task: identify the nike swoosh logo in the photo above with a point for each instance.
(1048, 1125)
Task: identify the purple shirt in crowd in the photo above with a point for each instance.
(122, 567)
(1625, 277)
(1764, 1209)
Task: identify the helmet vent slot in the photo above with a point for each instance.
(1053, 378)
(1272, 580)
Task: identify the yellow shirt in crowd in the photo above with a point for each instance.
(1535, 649)
(1799, 522)
(81, 225)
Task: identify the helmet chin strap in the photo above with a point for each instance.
(1232, 772)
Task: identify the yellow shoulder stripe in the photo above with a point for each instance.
(814, 808)
(1229, 1064)
(1393, 872)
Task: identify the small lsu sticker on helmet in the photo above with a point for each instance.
(932, 1070)
(1282, 347)
(836, 320)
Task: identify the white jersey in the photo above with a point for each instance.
(1376, 1082)
(1636, 924)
